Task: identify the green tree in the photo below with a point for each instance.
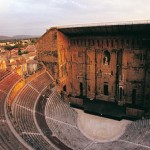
(19, 52)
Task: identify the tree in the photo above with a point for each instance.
(19, 52)
(8, 47)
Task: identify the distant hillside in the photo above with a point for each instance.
(18, 37)
(4, 37)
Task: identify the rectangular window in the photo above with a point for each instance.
(105, 89)
(133, 96)
(81, 89)
(120, 93)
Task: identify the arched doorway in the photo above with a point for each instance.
(64, 88)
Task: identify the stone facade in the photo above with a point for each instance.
(48, 51)
(109, 67)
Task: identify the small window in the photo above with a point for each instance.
(81, 89)
(133, 96)
(64, 88)
(120, 93)
(112, 73)
(105, 89)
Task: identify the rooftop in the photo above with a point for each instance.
(129, 27)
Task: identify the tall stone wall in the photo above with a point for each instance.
(63, 46)
(48, 51)
(110, 68)
(107, 68)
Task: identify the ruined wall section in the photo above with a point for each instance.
(89, 69)
(106, 74)
(74, 71)
(135, 76)
(147, 81)
(47, 51)
(108, 68)
(63, 46)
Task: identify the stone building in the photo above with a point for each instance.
(108, 62)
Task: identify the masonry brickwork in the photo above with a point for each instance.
(110, 67)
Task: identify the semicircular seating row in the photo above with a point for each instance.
(4, 74)
(61, 119)
(45, 122)
(23, 111)
(8, 141)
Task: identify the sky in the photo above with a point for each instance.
(34, 17)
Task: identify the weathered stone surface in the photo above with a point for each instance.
(106, 67)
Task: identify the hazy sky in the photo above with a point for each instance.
(35, 16)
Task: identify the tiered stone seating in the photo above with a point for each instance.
(68, 134)
(138, 132)
(27, 97)
(28, 130)
(42, 122)
(23, 115)
(7, 83)
(37, 142)
(57, 121)
(40, 106)
(7, 140)
(2, 100)
(3, 74)
(62, 121)
(116, 145)
(58, 116)
(41, 82)
(58, 109)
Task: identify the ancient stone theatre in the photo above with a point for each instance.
(101, 65)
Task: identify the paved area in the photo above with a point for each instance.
(99, 128)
